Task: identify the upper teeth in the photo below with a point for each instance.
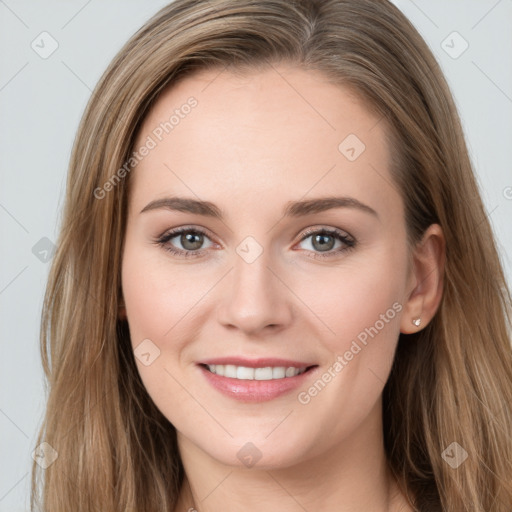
(245, 373)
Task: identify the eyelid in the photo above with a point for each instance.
(327, 229)
(170, 233)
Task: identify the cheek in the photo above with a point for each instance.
(166, 305)
(359, 300)
(361, 305)
(159, 298)
(362, 308)
(160, 310)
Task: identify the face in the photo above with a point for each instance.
(265, 264)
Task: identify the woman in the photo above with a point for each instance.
(275, 286)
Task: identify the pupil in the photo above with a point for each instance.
(325, 242)
(191, 241)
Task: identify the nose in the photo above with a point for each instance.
(255, 299)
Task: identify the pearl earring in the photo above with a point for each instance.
(417, 322)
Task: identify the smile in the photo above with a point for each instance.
(246, 373)
(256, 380)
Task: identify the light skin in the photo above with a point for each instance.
(254, 143)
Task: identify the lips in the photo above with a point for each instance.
(255, 380)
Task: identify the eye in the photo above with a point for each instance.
(326, 242)
(185, 241)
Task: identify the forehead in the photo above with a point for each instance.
(262, 133)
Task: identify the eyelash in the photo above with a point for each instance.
(346, 239)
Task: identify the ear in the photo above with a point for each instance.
(425, 280)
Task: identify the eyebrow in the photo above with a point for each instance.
(292, 209)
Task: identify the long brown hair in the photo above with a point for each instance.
(450, 383)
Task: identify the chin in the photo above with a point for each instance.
(256, 452)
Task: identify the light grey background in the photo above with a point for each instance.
(42, 100)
